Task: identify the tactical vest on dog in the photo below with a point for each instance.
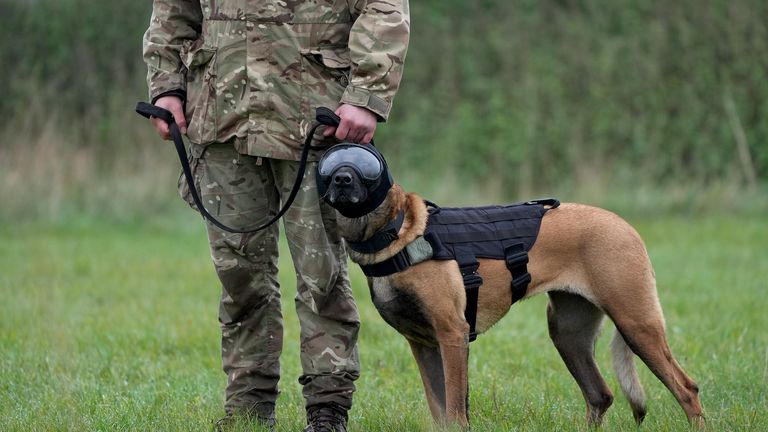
(465, 234)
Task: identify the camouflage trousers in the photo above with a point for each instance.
(243, 191)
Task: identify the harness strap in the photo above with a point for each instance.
(517, 259)
(399, 262)
(382, 238)
(415, 252)
(468, 266)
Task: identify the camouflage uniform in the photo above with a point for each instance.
(252, 72)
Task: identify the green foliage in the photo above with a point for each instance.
(517, 92)
(113, 327)
(507, 99)
(74, 53)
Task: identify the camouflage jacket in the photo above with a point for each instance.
(255, 70)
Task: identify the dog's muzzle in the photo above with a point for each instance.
(367, 164)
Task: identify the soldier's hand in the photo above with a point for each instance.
(357, 124)
(176, 107)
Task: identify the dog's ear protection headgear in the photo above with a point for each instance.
(369, 165)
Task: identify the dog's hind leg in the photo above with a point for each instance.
(643, 331)
(574, 324)
(431, 369)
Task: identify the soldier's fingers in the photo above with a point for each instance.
(329, 131)
(363, 134)
(161, 127)
(178, 115)
(342, 131)
(351, 134)
(356, 135)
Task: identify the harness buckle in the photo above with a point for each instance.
(521, 282)
(516, 259)
(468, 266)
(546, 202)
(517, 263)
(469, 273)
(401, 261)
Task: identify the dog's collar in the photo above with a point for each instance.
(382, 238)
(421, 249)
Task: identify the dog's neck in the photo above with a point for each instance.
(363, 228)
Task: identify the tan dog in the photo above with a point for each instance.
(590, 262)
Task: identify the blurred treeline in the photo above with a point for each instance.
(595, 99)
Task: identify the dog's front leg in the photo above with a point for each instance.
(454, 349)
(431, 369)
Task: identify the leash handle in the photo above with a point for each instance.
(148, 111)
(324, 116)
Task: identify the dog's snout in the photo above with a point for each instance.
(342, 178)
(345, 187)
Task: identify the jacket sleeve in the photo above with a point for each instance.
(172, 23)
(378, 43)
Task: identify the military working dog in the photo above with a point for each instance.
(589, 261)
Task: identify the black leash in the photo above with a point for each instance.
(324, 117)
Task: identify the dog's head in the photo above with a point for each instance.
(353, 179)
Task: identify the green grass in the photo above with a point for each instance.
(113, 327)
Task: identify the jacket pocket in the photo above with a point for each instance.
(325, 75)
(328, 62)
(200, 62)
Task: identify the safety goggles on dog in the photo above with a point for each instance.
(361, 158)
(369, 165)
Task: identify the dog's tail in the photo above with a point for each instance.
(624, 366)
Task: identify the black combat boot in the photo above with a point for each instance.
(328, 417)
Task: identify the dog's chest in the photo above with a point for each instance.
(402, 310)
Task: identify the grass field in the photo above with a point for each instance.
(113, 327)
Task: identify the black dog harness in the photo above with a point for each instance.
(464, 235)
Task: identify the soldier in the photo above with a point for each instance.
(242, 78)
